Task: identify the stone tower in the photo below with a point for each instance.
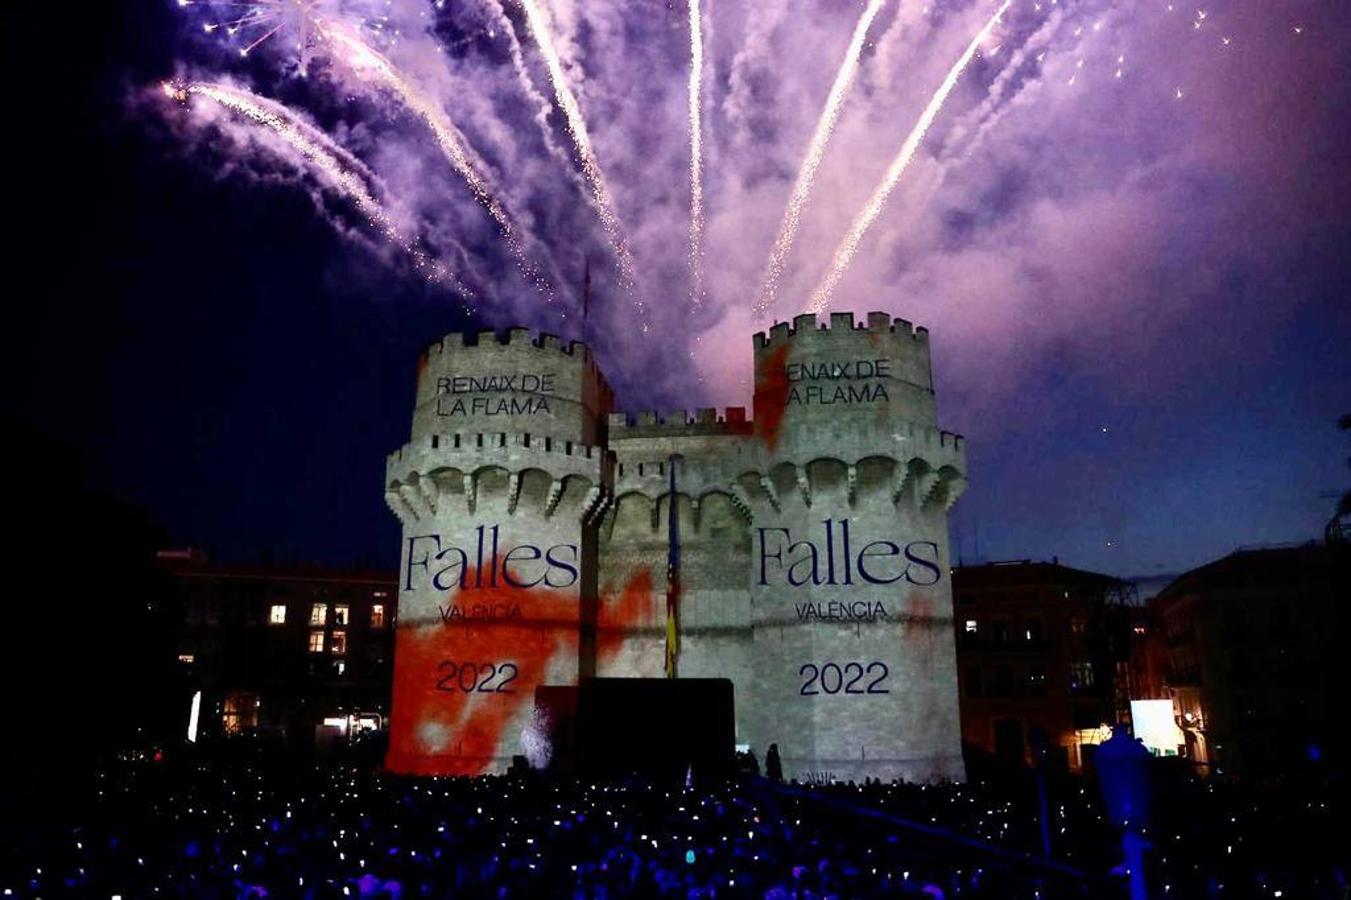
(813, 549)
(495, 491)
(854, 663)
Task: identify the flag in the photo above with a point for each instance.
(672, 578)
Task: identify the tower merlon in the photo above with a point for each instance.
(840, 323)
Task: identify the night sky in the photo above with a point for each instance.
(1139, 307)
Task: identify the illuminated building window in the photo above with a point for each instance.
(319, 614)
(1032, 631)
(338, 646)
(1081, 675)
(277, 614)
(1138, 629)
(187, 658)
(377, 615)
(1078, 625)
(341, 667)
(316, 642)
(970, 626)
(241, 712)
(340, 615)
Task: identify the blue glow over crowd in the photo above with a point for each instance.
(251, 824)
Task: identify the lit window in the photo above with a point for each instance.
(316, 642)
(319, 614)
(970, 626)
(338, 646)
(340, 615)
(241, 712)
(1078, 625)
(341, 667)
(187, 658)
(377, 615)
(1081, 675)
(277, 614)
(1138, 629)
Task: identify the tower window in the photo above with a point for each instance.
(319, 614)
(377, 615)
(316, 641)
(340, 613)
(277, 614)
(338, 645)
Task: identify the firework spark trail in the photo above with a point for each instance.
(576, 125)
(541, 103)
(541, 106)
(825, 128)
(258, 21)
(844, 254)
(336, 166)
(365, 59)
(972, 127)
(696, 152)
(258, 105)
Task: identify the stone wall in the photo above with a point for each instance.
(813, 548)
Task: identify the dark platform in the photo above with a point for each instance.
(654, 727)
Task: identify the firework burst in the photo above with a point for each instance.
(500, 87)
(249, 24)
(845, 253)
(333, 166)
(816, 151)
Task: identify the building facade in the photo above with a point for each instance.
(1249, 652)
(299, 653)
(1043, 654)
(801, 552)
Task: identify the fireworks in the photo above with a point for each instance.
(367, 61)
(252, 23)
(330, 163)
(845, 253)
(816, 150)
(696, 152)
(397, 72)
(581, 138)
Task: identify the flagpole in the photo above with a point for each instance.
(672, 575)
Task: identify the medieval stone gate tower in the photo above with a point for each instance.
(813, 543)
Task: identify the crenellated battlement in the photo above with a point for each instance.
(457, 342)
(494, 441)
(810, 546)
(839, 324)
(514, 380)
(650, 423)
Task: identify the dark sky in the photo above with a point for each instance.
(215, 352)
(201, 346)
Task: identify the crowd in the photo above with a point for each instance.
(252, 824)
